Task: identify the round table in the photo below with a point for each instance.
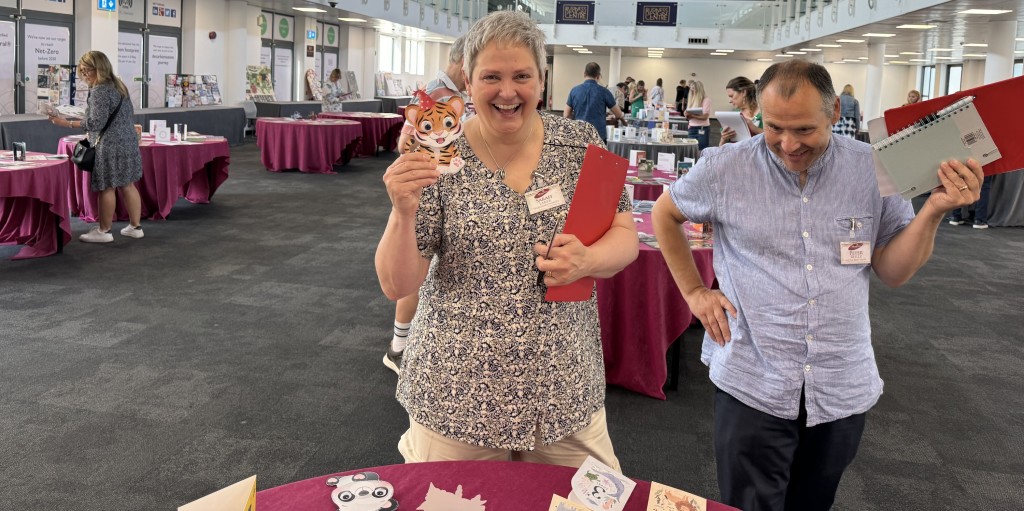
(502, 485)
(642, 313)
(306, 145)
(649, 188)
(33, 204)
(193, 170)
(379, 130)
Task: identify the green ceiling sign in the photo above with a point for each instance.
(283, 28)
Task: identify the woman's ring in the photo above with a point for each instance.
(962, 188)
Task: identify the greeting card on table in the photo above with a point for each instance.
(600, 487)
(440, 500)
(162, 134)
(666, 498)
(362, 491)
(559, 503)
(240, 496)
(155, 124)
(666, 161)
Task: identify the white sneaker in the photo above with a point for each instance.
(95, 235)
(133, 232)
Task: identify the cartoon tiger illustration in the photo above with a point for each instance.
(438, 124)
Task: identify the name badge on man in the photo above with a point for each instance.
(543, 199)
(855, 252)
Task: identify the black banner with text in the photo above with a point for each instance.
(656, 14)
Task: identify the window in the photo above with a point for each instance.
(389, 54)
(414, 57)
(927, 82)
(1018, 68)
(954, 77)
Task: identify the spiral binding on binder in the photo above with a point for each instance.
(923, 124)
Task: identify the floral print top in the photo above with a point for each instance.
(489, 362)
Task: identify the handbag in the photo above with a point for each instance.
(84, 153)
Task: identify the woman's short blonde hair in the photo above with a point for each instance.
(848, 89)
(335, 75)
(507, 28)
(98, 62)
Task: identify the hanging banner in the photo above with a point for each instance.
(163, 61)
(656, 14)
(45, 45)
(283, 73)
(133, 11)
(283, 26)
(129, 64)
(54, 6)
(574, 12)
(6, 68)
(165, 12)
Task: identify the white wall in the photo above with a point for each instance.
(715, 73)
(199, 53)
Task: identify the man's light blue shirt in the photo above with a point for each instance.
(803, 317)
(590, 102)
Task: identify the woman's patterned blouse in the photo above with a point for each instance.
(489, 362)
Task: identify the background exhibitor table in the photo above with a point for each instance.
(192, 171)
(34, 207)
(379, 130)
(390, 104)
(287, 108)
(688, 150)
(503, 485)
(309, 146)
(642, 314)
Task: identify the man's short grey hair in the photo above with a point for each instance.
(458, 51)
(507, 28)
(790, 75)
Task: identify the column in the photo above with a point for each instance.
(999, 60)
(614, 72)
(871, 106)
(97, 30)
(243, 48)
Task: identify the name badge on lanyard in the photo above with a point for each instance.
(854, 252)
(543, 199)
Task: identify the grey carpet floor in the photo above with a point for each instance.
(245, 336)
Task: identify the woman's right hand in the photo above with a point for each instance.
(406, 178)
(727, 135)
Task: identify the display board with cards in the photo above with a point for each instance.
(56, 87)
(259, 84)
(192, 90)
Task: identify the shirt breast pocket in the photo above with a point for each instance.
(851, 232)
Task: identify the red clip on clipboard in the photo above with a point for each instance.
(1000, 108)
(593, 207)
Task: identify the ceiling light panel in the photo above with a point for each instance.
(873, 34)
(917, 27)
(308, 9)
(985, 11)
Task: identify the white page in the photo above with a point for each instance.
(735, 121)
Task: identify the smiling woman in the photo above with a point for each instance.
(492, 370)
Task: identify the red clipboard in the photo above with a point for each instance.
(591, 212)
(999, 106)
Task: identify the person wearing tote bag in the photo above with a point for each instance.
(118, 160)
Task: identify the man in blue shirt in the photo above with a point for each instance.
(799, 225)
(589, 101)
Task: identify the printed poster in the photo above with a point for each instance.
(163, 61)
(259, 82)
(59, 7)
(45, 45)
(283, 73)
(133, 11)
(6, 68)
(330, 64)
(166, 13)
(129, 64)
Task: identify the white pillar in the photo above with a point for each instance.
(872, 104)
(613, 75)
(97, 30)
(999, 61)
(305, 60)
(243, 48)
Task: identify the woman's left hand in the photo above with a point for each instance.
(565, 263)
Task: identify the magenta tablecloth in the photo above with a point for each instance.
(642, 314)
(33, 205)
(650, 188)
(168, 171)
(309, 146)
(379, 130)
(503, 485)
